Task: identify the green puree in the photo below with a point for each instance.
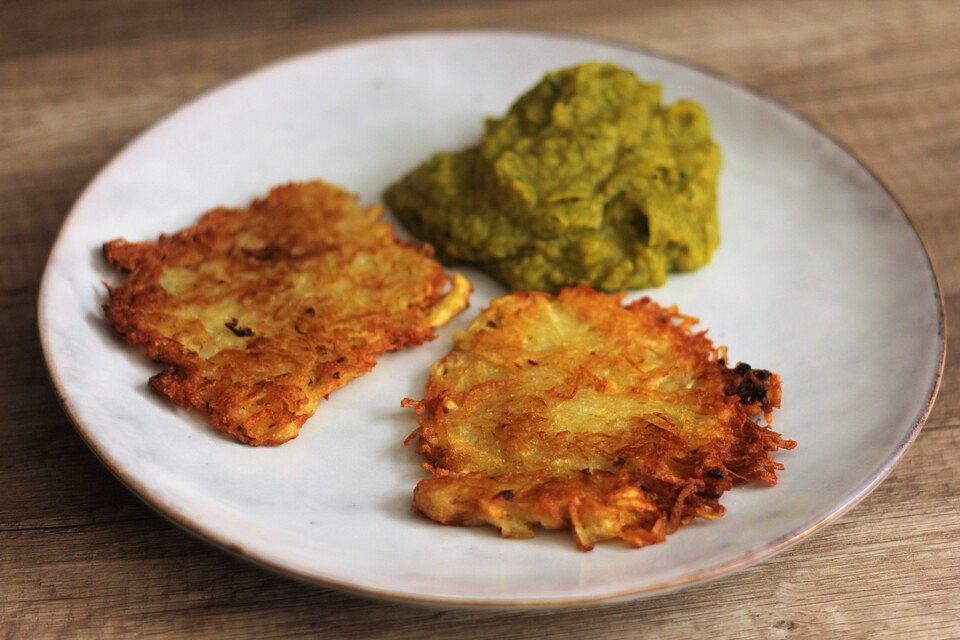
(588, 179)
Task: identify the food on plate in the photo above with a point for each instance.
(588, 179)
(577, 411)
(260, 312)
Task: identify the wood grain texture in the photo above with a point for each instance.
(81, 557)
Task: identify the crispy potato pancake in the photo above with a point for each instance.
(575, 411)
(260, 312)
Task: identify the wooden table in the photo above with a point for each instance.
(81, 557)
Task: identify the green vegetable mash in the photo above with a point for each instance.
(588, 179)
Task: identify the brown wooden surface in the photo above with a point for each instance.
(81, 557)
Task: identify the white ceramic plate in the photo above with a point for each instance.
(819, 276)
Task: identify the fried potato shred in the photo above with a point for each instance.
(575, 411)
(261, 312)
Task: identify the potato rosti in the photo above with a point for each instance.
(260, 312)
(577, 411)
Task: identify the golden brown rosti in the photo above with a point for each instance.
(260, 312)
(577, 411)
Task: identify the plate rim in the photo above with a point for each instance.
(199, 530)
